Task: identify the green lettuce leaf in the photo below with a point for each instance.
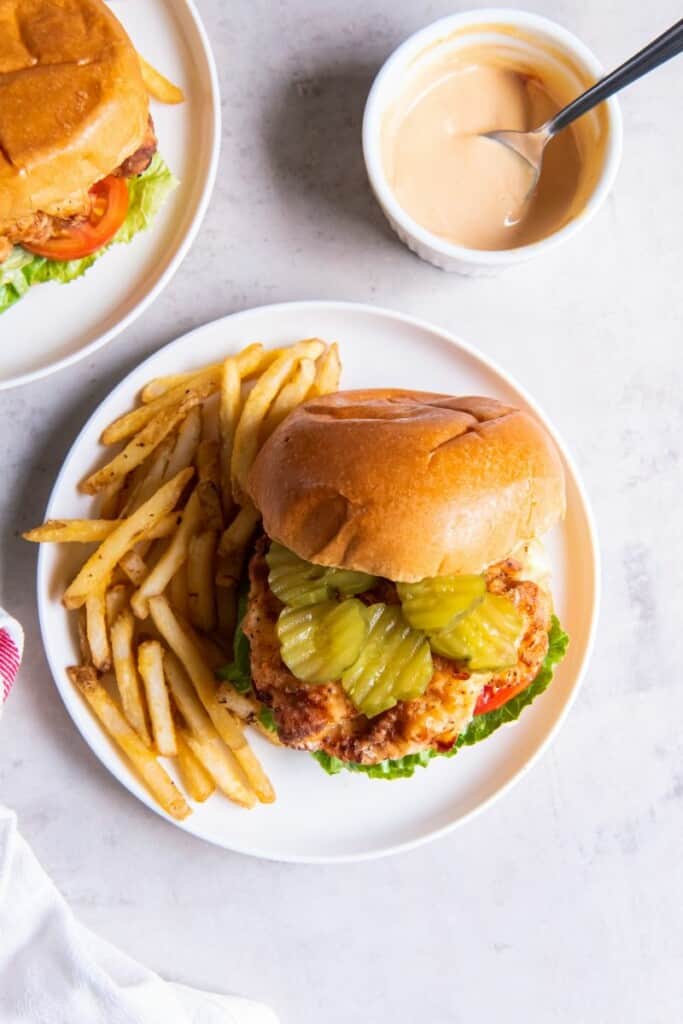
(479, 728)
(22, 269)
(267, 719)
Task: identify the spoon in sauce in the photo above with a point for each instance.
(530, 145)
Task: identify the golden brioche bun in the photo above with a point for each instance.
(73, 105)
(405, 484)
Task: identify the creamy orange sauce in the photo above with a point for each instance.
(469, 190)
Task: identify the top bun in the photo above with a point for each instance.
(405, 484)
(73, 105)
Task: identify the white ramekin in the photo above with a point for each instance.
(384, 91)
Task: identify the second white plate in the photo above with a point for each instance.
(318, 818)
(55, 325)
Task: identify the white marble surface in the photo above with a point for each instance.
(563, 904)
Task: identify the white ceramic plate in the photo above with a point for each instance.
(55, 325)
(318, 818)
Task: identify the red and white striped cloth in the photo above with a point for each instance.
(11, 650)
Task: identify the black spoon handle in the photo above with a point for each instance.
(661, 49)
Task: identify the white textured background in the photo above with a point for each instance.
(563, 904)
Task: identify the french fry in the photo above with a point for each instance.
(226, 724)
(127, 679)
(167, 392)
(251, 360)
(98, 568)
(157, 780)
(115, 601)
(134, 566)
(158, 86)
(131, 424)
(113, 498)
(210, 420)
(96, 629)
(208, 469)
(246, 440)
(226, 608)
(327, 372)
(199, 672)
(151, 668)
(228, 414)
(200, 580)
(234, 542)
(186, 443)
(89, 531)
(83, 645)
(177, 590)
(173, 557)
(137, 450)
(194, 776)
(218, 759)
(292, 393)
(152, 475)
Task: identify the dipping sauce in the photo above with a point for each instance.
(469, 190)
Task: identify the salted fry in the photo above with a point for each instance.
(137, 450)
(293, 393)
(218, 759)
(234, 542)
(199, 672)
(251, 360)
(152, 472)
(177, 591)
(173, 557)
(226, 724)
(194, 776)
(186, 443)
(83, 645)
(89, 531)
(327, 372)
(258, 402)
(127, 679)
(134, 566)
(133, 423)
(96, 628)
(210, 420)
(209, 487)
(151, 669)
(98, 568)
(115, 601)
(226, 608)
(228, 414)
(157, 780)
(158, 86)
(113, 498)
(200, 580)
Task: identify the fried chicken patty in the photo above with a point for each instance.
(41, 226)
(310, 717)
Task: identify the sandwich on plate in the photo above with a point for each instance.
(79, 168)
(399, 602)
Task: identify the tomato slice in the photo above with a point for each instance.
(82, 238)
(490, 699)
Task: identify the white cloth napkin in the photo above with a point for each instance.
(53, 970)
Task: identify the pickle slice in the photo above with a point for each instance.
(318, 642)
(299, 583)
(440, 601)
(394, 664)
(488, 638)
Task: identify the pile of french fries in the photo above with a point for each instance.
(157, 597)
